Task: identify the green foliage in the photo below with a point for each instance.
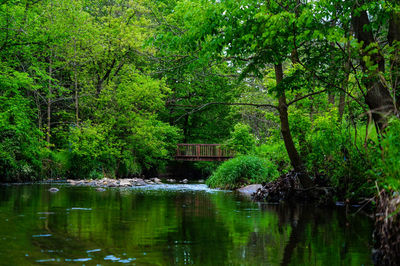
(386, 158)
(20, 148)
(241, 140)
(242, 170)
(139, 139)
(92, 152)
(276, 153)
(336, 151)
(56, 164)
(113, 86)
(86, 85)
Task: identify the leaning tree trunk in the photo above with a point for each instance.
(294, 157)
(378, 97)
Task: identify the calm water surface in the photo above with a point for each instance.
(172, 224)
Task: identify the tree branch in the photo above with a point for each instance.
(224, 103)
(306, 96)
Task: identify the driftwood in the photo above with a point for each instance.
(288, 188)
(387, 229)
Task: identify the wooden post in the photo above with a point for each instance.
(198, 151)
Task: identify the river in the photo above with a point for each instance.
(172, 225)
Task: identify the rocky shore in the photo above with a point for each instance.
(127, 182)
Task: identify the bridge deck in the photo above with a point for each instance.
(202, 152)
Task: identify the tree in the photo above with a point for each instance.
(251, 35)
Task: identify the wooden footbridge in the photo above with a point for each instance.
(202, 152)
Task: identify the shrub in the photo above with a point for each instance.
(56, 164)
(276, 153)
(337, 152)
(386, 158)
(242, 170)
(91, 154)
(20, 145)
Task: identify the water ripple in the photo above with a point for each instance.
(93, 250)
(79, 260)
(42, 235)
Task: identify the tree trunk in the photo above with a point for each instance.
(342, 103)
(294, 157)
(393, 37)
(49, 100)
(76, 88)
(342, 97)
(186, 128)
(331, 94)
(378, 97)
(331, 98)
(50, 92)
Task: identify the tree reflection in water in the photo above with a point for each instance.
(173, 227)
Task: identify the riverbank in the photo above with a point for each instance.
(125, 182)
(382, 208)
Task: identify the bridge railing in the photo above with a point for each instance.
(202, 152)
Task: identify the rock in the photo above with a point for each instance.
(139, 182)
(72, 182)
(53, 189)
(200, 180)
(124, 183)
(157, 180)
(250, 189)
(171, 180)
(100, 189)
(92, 184)
(111, 184)
(108, 182)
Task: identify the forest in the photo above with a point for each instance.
(94, 88)
(107, 88)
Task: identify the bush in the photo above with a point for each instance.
(386, 157)
(242, 170)
(97, 150)
(276, 153)
(337, 152)
(56, 164)
(90, 153)
(20, 145)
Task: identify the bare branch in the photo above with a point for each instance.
(353, 67)
(306, 96)
(224, 103)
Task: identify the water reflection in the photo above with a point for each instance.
(172, 226)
